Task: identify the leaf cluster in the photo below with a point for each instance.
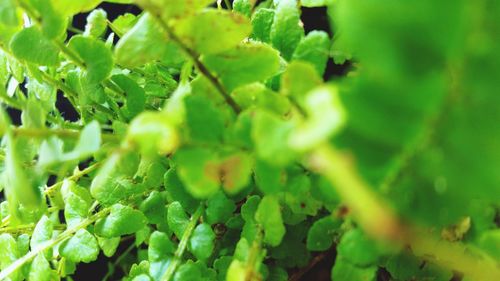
(209, 143)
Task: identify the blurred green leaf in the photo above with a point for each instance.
(268, 214)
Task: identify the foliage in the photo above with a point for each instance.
(210, 144)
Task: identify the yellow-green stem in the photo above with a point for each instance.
(181, 248)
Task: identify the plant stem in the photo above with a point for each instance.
(70, 54)
(197, 62)
(228, 4)
(181, 248)
(25, 228)
(251, 270)
(75, 30)
(312, 263)
(378, 220)
(51, 243)
(366, 206)
(53, 188)
(62, 133)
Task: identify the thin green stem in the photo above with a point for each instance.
(75, 30)
(70, 94)
(228, 4)
(70, 54)
(377, 219)
(28, 228)
(365, 205)
(10, 101)
(115, 29)
(62, 133)
(53, 188)
(252, 268)
(181, 248)
(51, 243)
(197, 62)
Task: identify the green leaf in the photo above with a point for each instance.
(262, 21)
(177, 192)
(243, 7)
(286, 31)
(4, 122)
(175, 9)
(198, 170)
(315, 3)
(153, 133)
(194, 271)
(40, 269)
(268, 214)
(19, 188)
(113, 181)
(226, 30)
(343, 270)
(70, 7)
(88, 143)
(82, 247)
(160, 247)
(269, 179)
(269, 134)
(219, 208)
(278, 274)
(298, 80)
(97, 58)
(96, 23)
(235, 170)
(136, 97)
(152, 171)
(53, 23)
(201, 243)
(108, 245)
(42, 233)
(248, 62)
(204, 121)
(298, 195)
(9, 14)
(257, 95)
(76, 203)
(490, 242)
(321, 234)
(326, 116)
(123, 23)
(236, 271)
(250, 207)
(142, 277)
(177, 219)
(122, 220)
(9, 251)
(314, 48)
(145, 43)
(32, 46)
(153, 207)
(358, 249)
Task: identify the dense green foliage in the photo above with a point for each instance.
(208, 141)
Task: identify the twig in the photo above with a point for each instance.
(53, 188)
(197, 62)
(51, 243)
(314, 261)
(179, 252)
(62, 133)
